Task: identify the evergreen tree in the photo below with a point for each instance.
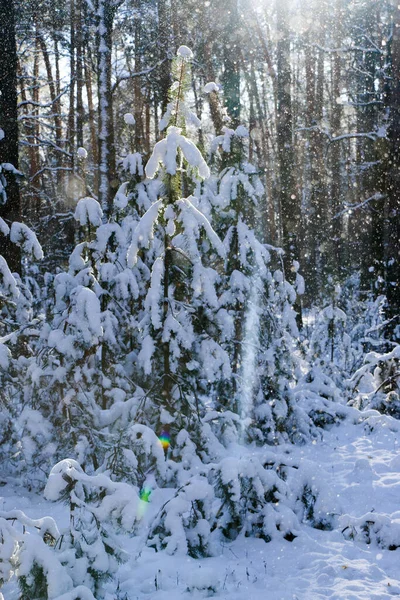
(179, 351)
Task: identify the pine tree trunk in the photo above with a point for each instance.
(336, 245)
(11, 211)
(92, 125)
(290, 214)
(107, 175)
(231, 57)
(80, 114)
(289, 201)
(71, 112)
(164, 79)
(54, 99)
(393, 178)
(137, 83)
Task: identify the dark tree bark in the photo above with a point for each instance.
(231, 58)
(107, 168)
(11, 211)
(164, 75)
(289, 201)
(290, 216)
(137, 83)
(335, 254)
(315, 216)
(392, 241)
(71, 113)
(80, 112)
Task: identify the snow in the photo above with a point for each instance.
(26, 239)
(121, 199)
(8, 282)
(82, 153)
(190, 209)
(211, 87)
(143, 233)
(185, 52)
(166, 153)
(88, 212)
(242, 131)
(358, 480)
(133, 164)
(129, 119)
(4, 228)
(5, 356)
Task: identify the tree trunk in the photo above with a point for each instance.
(71, 113)
(137, 83)
(336, 240)
(289, 201)
(231, 58)
(164, 78)
(92, 124)
(107, 173)
(80, 113)
(393, 178)
(11, 210)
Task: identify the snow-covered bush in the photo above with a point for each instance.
(376, 384)
(19, 335)
(88, 549)
(265, 496)
(260, 331)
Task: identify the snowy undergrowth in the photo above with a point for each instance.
(344, 545)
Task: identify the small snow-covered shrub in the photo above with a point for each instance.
(203, 580)
(373, 528)
(376, 384)
(88, 549)
(184, 523)
(262, 496)
(319, 399)
(251, 496)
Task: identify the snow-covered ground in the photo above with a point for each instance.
(357, 473)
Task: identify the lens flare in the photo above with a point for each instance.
(144, 494)
(165, 440)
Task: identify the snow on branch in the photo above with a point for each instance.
(166, 151)
(26, 239)
(346, 49)
(88, 212)
(205, 223)
(143, 233)
(371, 135)
(4, 228)
(352, 207)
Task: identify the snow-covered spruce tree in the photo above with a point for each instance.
(98, 508)
(266, 495)
(80, 371)
(260, 328)
(342, 332)
(79, 562)
(180, 352)
(232, 495)
(376, 384)
(19, 334)
(28, 555)
(330, 344)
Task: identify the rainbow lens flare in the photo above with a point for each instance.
(165, 440)
(144, 494)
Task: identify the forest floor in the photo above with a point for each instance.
(357, 472)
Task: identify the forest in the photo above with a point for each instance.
(199, 299)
